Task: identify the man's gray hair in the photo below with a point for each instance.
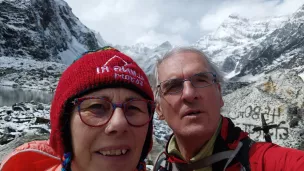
(213, 68)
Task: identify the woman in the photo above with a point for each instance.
(101, 119)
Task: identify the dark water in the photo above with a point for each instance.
(10, 96)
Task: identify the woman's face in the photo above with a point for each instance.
(114, 146)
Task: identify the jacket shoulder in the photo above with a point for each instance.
(35, 155)
(269, 156)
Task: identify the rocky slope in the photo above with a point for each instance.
(283, 48)
(43, 30)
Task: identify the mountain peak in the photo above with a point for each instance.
(299, 14)
(62, 3)
(166, 45)
(235, 16)
(44, 30)
(255, 45)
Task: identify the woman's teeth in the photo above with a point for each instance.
(113, 152)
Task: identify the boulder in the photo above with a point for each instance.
(9, 147)
(279, 96)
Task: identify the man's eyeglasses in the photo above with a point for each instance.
(97, 111)
(199, 80)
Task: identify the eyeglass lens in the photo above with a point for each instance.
(176, 85)
(98, 111)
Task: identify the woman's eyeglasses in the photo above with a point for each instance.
(95, 111)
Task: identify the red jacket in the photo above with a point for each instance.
(261, 156)
(268, 156)
(36, 155)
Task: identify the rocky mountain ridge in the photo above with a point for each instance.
(43, 30)
(283, 48)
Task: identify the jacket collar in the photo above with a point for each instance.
(228, 139)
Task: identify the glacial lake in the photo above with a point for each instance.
(10, 96)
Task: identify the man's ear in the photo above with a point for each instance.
(159, 112)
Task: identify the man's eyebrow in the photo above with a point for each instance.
(169, 81)
(174, 78)
(201, 74)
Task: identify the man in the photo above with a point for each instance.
(188, 96)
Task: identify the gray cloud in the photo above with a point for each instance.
(127, 22)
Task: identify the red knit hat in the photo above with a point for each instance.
(106, 67)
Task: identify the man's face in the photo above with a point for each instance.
(192, 111)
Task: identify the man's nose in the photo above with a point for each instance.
(188, 92)
(118, 123)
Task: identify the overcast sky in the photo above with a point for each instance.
(182, 22)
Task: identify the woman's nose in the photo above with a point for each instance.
(117, 123)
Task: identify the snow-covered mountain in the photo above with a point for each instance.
(43, 30)
(243, 46)
(48, 31)
(236, 37)
(146, 56)
(283, 48)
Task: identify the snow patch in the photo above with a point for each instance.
(75, 49)
(302, 75)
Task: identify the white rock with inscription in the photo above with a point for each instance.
(279, 96)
